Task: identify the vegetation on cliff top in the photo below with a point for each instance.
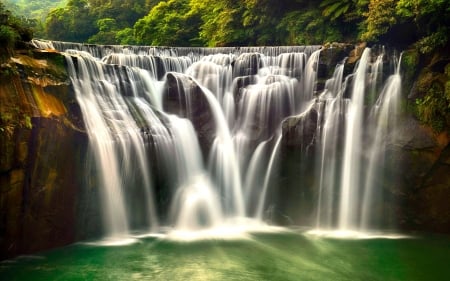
(12, 30)
(420, 25)
(239, 23)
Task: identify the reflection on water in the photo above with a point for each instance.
(282, 255)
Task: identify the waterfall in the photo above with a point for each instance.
(335, 106)
(384, 115)
(353, 140)
(191, 138)
(114, 138)
(349, 191)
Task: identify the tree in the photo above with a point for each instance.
(380, 17)
(308, 27)
(126, 36)
(432, 20)
(170, 23)
(13, 29)
(71, 23)
(107, 32)
(221, 23)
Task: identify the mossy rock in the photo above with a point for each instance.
(409, 67)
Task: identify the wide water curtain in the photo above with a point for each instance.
(191, 137)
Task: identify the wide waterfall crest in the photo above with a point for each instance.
(189, 138)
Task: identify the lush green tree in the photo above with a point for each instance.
(125, 12)
(432, 20)
(13, 29)
(71, 23)
(8, 35)
(260, 18)
(345, 16)
(107, 32)
(149, 4)
(221, 23)
(335, 9)
(126, 36)
(380, 17)
(308, 28)
(249, 22)
(170, 23)
(403, 22)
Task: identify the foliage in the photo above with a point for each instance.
(428, 22)
(34, 12)
(308, 28)
(12, 28)
(13, 117)
(220, 24)
(432, 19)
(435, 40)
(344, 16)
(169, 23)
(125, 12)
(34, 9)
(8, 36)
(334, 9)
(71, 23)
(434, 108)
(259, 18)
(126, 36)
(380, 17)
(107, 32)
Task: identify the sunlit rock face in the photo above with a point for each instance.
(42, 148)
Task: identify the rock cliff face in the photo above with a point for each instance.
(42, 144)
(422, 187)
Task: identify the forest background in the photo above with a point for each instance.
(401, 23)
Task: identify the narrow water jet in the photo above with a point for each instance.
(270, 167)
(385, 112)
(351, 174)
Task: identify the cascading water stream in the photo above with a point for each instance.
(349, 190)
(348, 210)
(114, 138)
(196, 132)
(262, 197)
(384, 113)
(328, 170)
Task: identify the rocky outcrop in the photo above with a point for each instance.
(300, 131)
(421, 187)
(185, 98)
(294, 204)
(42, 144)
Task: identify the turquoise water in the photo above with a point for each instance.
(289, 255)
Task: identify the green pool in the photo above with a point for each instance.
(285, 255)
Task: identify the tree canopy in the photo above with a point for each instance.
(13, 29)
(424, 23)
